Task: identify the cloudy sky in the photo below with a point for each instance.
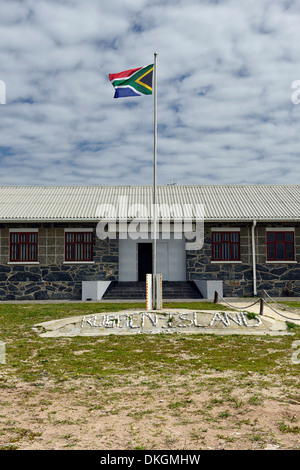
(225, 74)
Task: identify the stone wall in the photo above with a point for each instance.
(278, 279)
(52, 277)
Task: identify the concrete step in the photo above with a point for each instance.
(137, 290)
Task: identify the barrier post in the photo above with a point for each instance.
(216, 297)
(261, 307)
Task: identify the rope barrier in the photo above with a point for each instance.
(259, 300)
(291, 309)
(233, 306)
(281, 314)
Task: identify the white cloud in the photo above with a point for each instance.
(225, 71)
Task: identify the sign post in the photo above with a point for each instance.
(159, 291)
(149, 291)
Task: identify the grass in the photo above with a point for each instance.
(209, 388)
(32, 358)
(286, 428)
(290, 304)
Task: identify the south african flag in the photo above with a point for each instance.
(134, 82)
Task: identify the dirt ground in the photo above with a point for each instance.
(213, 410)
(201, 410)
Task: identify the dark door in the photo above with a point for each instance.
(144, 260)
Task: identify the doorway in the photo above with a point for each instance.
(144, 260)
(170, 255)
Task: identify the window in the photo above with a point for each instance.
(225, 246)
(78, 246)
(23, 246)
(280, 246)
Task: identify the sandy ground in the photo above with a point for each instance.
(207, 411)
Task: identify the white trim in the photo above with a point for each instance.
(78, 262)
(226, 229)
(79, 229)
(281, 262)
(226, 262)
(24, 230)
(280, 229)
(23, 262)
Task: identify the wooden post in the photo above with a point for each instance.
(261, 308)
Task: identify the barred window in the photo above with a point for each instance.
(23, 246)
(78, 246)
(226, 246)
(280, 246)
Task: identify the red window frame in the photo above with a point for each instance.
(23, 247)
(225, 246)
(280, 245)
(78, 246)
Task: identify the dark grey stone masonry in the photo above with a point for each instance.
(52, 277)
(278, 279)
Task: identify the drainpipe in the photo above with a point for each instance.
(253, 257)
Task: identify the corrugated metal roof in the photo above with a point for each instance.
(221, 202)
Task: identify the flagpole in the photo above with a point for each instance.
(154, 182)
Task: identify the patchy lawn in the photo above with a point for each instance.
(144, 391)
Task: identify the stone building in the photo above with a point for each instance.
(53, 239)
